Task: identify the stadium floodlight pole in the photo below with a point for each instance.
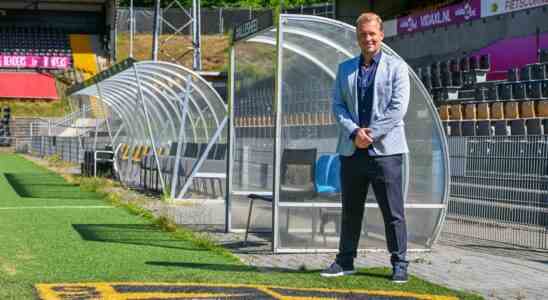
(131, 28)
(196, 36)
(156, 29)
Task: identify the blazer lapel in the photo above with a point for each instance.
(380, 78)
(353, 85)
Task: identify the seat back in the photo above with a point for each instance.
(334, 175)
(298, 174)
(322, 170)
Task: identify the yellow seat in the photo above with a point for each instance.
(483, 111)
(511, 110)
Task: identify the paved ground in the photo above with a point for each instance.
(494, 271)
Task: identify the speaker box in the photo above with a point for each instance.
(469, 78)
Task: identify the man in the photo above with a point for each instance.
(370, 99)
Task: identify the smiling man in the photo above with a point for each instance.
(370, 99)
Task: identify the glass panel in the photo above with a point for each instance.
(318, 228)
(312, 50)
(253, 142)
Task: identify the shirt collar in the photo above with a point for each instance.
(376, 58)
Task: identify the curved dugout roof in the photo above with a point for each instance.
(313, 47)
(163, 87)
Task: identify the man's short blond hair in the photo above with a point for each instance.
(369, 17)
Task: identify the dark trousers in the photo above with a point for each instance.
(384, 173)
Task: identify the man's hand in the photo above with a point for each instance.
(363, 138)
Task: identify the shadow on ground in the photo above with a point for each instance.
(46, 186)
(133, 234)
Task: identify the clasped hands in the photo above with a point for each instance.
(363, 138)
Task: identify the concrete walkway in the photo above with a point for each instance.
(494, 272)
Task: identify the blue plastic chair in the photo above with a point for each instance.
(322, 174)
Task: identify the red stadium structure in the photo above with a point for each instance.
(42, 40)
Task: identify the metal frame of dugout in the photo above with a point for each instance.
(280, 84)
(156, 112)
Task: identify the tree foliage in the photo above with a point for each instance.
(226, 3)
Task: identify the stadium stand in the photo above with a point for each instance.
(470, 105)
(50, 41)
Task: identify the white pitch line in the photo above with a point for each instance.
(53, 207)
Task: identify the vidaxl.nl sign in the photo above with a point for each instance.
(31, 61)
(452, 14)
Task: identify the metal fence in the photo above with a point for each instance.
(499, 189)
(213, 20)
(70, 149)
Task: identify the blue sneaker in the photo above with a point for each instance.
(399, 273)
(335, 270)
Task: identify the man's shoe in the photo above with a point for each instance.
(336, 270)
(399, 273)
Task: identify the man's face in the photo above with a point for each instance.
(370, 37)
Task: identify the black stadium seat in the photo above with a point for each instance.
(534, 127)
(468, 128)
(483, 128)
(517, 127)
(501, 127)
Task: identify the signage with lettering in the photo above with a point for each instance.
(497, 7)
(30, 61)
(252, 26)
(457, 13)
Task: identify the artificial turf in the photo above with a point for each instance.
(53, 232)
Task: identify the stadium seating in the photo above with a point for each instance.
(33, 41)
(469, 105)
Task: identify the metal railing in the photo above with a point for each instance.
(499, 189)
(69, 149)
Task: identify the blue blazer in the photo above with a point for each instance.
(390, 102)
